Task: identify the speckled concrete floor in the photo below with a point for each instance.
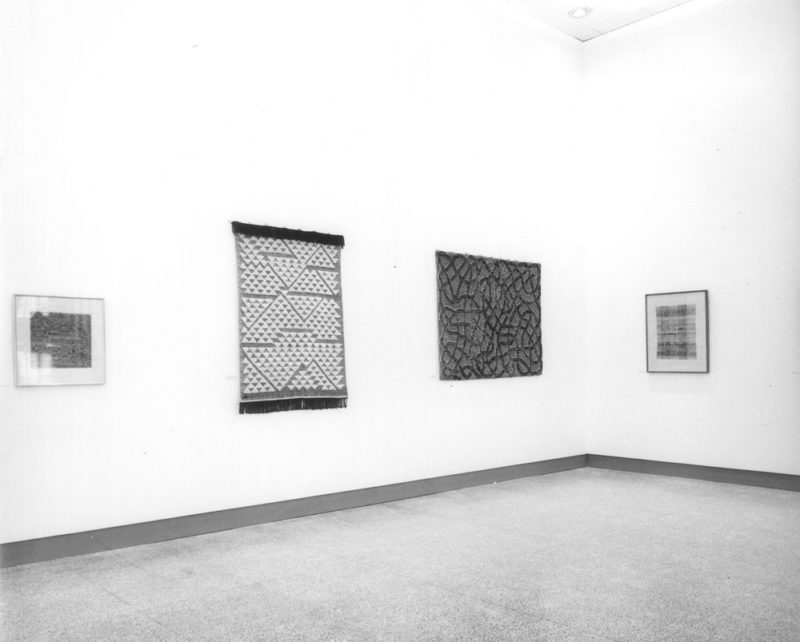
(582, 555)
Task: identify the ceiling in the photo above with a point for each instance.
(605, 15)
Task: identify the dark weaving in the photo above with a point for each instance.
(489, 317)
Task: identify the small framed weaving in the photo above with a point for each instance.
(58, 340)
(291, 339)
(677, 331)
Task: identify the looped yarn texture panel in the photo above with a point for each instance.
(489, 317)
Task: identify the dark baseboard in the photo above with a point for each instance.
(104, 539)
(692, 471)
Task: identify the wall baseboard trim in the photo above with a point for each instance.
(105, 539)
(778, 481)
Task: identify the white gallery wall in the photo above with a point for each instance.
(405, 126)
(694, 184)
(133, 133)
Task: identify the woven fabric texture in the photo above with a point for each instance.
(290, 321)
(489, 317)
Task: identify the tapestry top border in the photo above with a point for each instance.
(286, 233)
(488, 258)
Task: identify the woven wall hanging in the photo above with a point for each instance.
(489, 317)
(291, 344)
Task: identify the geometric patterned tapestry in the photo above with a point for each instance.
(291, 344)
(489, 317)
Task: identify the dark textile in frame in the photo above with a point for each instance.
(61, 339)
(677, 332)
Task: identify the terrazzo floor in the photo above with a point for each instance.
(584, 555)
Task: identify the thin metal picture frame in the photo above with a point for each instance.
(688, 351)
(67, 351)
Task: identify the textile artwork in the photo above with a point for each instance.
(677, 331)
(291, 344)
(61, 339)
(489, 317)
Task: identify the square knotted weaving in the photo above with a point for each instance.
(291, 342)
(489, 317)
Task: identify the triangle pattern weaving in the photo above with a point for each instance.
(290, 321)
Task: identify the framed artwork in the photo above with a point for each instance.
(59, 340)
(490, 317)
(677, 331)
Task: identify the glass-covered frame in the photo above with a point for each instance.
(58, 340)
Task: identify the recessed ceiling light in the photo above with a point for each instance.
(580, 12)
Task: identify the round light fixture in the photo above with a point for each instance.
(579, 12)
